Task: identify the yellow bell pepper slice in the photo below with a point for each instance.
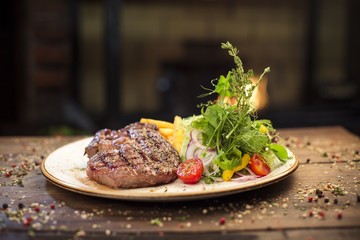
(263, 129)
(244, 161)
(227, 174)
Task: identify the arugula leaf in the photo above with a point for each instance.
(223, 86)
(213, 114)
(227, 162)
(209, 124)
(279, 151)
(252, 141)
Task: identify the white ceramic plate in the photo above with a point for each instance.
(65, 167)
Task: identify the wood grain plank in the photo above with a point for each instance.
(279, 206)
(282, 210)
(322, 144)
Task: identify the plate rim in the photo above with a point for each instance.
(157, 197)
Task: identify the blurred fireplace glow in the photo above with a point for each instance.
(260, 97)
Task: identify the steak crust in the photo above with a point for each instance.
(132, 157)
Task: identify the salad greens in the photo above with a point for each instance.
(230, 124)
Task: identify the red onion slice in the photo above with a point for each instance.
(196, 149)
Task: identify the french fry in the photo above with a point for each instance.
(158, 123)
(177, 121)
(178, 135)
(166, 132)
(173, 132)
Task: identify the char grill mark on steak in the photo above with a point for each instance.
(135, 156)
(152, 145)
(107, 139)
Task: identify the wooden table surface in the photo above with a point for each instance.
(320, 200)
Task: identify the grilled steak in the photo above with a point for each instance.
(132, 157)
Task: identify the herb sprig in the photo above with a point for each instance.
(230, 124)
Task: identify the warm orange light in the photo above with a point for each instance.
(260, 96)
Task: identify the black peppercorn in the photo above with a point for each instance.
(319, 193)
(5, 206)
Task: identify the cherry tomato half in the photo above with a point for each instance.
(258, 165)
(190, 170)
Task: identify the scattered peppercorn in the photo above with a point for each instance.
(311, 213)
(37, 209)
(21, 206)
(319, 193)
(308, 160)
(358, 198)
(5, 206)
(27, 221)
(222, 221)
(339, 215)
(310, 198)
(336, 201)
(326, 200)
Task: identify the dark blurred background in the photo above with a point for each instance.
(72, 67)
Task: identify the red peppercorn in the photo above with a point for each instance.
(321, 214)
(339, 215)
(311, 213)
(310, 198)
(37, 209)
(52, 206)
(222, 221)
(27, 221)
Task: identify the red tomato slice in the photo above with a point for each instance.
(190, 171)
(258, 165)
